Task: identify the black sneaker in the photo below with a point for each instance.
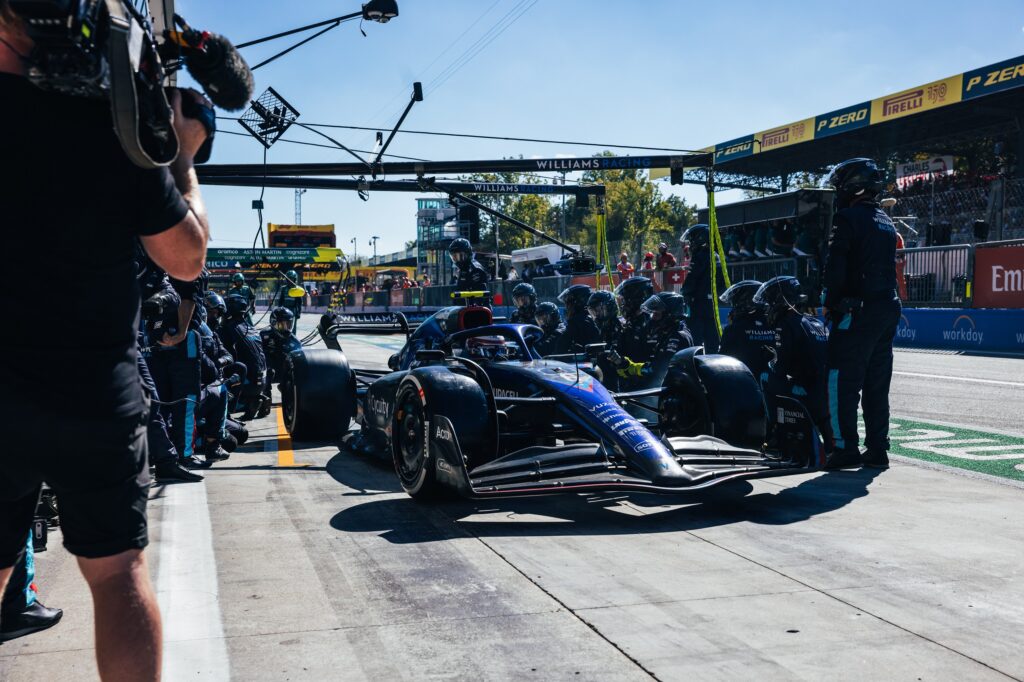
(194, 462)
(214, 452)
(35, 618)
(876, 459)
(174, 471)
(843, 459)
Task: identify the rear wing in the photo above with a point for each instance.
(390, 323)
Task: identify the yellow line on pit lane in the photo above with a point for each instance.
(285, 454)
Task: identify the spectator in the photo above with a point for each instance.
(647, 267)
(512, 274)
(665, 258)
(624, 267)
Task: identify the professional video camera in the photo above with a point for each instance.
(157, 306)
(105, 49)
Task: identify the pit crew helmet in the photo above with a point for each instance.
(524, 295)
(237, 278)
(281, 319)
(780, 294)
(235, 305)
(575, 298)
(603, 307)
(632, 293)
(460, 251)
(547, 316)
(666, 308)
(854, 178)
(696, 237)
(740, 296)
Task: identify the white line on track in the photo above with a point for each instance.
(968, 379)
(194, 646)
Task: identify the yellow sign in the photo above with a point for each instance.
(783, 136)
(325, 254)
(922, 98)
(319, 229)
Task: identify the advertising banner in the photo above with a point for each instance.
(215, 257)
(999, 278)
(843, 120)
(993, 78)
(962, 329)
(915, 100)
(317, 229)
(783, 136)
(908, 173)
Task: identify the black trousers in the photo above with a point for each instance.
(161, 449)
(860, 371)
(176, 372)
(702, 326)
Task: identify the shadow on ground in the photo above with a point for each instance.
(403, 520)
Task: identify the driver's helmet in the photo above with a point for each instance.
(281, 319)
(524, 295)
(460, 251)
(489, 348)
(237, 279)
(603, 307)
(547, 316)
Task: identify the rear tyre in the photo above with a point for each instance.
(425, 394)
(318, 396)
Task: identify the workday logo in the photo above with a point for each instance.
(904, 331)
(964, 330)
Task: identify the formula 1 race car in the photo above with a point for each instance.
(469, 406)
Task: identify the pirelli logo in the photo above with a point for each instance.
(903, 103)
(774, 138)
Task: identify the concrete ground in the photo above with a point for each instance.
(295, 562)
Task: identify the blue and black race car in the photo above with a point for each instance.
(469, 406)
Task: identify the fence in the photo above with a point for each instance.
(937, 276)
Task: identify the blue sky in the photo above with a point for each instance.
(662, 73)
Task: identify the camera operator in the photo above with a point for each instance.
(65, 179)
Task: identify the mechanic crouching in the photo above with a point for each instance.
(748, 333)
(798, 370)
(667, 335)
(634, 339)
(550, 321)
(243, 343)
(580, 330)
(524, 296)
(172, 349)
(277, 342)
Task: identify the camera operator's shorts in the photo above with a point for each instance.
(97, 468)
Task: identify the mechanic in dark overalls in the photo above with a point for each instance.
(550, 321)
(524, 297)
(278, 341)
(667, 335)
(861, 299)
(696, 287)
(798, 370)
(294, 304)
(240, 288)
(605, 312)
(469, 274)
(634, 340)
(172, 350)
(214, 396)
(748, 335)
(580, 330)
(243, 342)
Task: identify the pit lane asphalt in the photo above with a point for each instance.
(328, 571)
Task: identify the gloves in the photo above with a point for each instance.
(630, 369)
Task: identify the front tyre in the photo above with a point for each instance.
(318, 395)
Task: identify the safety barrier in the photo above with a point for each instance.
(937, 276)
